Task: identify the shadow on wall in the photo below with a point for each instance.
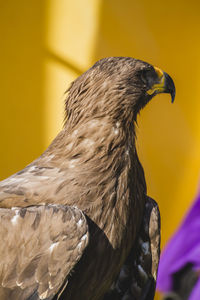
(164, 34)
(21, 83)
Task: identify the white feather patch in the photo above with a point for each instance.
(80, 222)
(15, 219)
(53, 246)
(44, 295)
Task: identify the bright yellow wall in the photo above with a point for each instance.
(21, 83)
(46, 44)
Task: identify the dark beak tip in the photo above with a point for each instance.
(172, 97)
(170, 87)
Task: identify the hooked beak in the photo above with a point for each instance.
(164, 84)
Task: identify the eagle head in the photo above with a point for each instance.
(116, 87)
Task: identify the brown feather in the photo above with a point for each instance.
(93, 165)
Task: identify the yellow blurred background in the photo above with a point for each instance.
(46, 44)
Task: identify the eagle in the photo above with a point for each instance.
(71, 217)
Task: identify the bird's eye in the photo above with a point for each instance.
(147, 77)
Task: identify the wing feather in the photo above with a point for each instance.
(137, 277)
(41, 245)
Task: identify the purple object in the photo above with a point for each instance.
(183, 248)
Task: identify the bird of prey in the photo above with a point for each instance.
(70, 218)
